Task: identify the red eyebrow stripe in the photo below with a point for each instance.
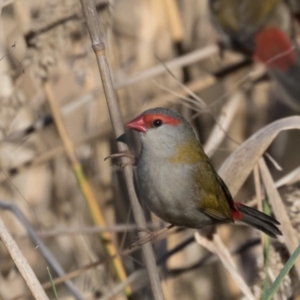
(148, 119)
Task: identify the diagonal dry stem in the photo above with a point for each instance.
(38, 243)
(91, 17)
(289, 233)
(259, 197)
(84, 185)
(241, 162)
(184, 60)
(216, 246)
(22, 264)
(104, 128)
(225, 119)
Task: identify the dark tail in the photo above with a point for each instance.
(258, 220)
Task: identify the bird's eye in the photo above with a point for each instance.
(157, 122)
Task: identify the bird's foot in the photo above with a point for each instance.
(149, 236)
(125, 153)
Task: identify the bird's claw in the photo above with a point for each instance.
(146, 230)
(149, 236)
(146, 238)
(124, 153)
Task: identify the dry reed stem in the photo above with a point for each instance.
(117, 289)
(285, 180)
(90, 14)
(174, 19)
(259, 198)
(17, 256)
(94, 229)
(80, 270)
(104, 128)
(179, 62)
(84, 185)
(275, 164)
(217, 246)
(22, 264)
(240, 163)
(200, 104)
(38, 243)
(289, 233)
(289, 178)
(102, 261)
(194, 86)
(225, 119)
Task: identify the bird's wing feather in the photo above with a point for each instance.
(215, 198)
(226, 192)
(216, 214)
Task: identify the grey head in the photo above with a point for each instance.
(161, 130)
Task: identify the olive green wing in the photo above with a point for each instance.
(215, 198)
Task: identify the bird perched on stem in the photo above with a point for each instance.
(261, 29)
(177, 180)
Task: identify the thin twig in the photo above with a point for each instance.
(38, 243)
(289, 233)
(84, 185)
(104, 128)
(224, 121)
(179, 62)
(216, 246)
(88, 230)
(202, 106)
(205, 261)
(289, 178)
(117, 289)
(22, 264)
(247, 155)
(259, 198)
(91, 17)
(80, 270)
(75, 273)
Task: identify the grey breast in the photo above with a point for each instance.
(167, 191)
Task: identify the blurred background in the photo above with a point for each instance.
(45, 47)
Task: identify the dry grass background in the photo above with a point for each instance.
(47, 41)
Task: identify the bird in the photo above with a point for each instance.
(177, 180)
(261, 29)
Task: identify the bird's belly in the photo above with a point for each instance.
(168, 193)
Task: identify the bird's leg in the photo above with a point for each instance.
(150, 236)
(124, 153)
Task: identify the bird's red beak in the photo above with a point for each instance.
(137, 124)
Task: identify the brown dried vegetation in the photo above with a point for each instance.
(48, 42)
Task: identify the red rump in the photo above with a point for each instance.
(236, 215)
(274, 49)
